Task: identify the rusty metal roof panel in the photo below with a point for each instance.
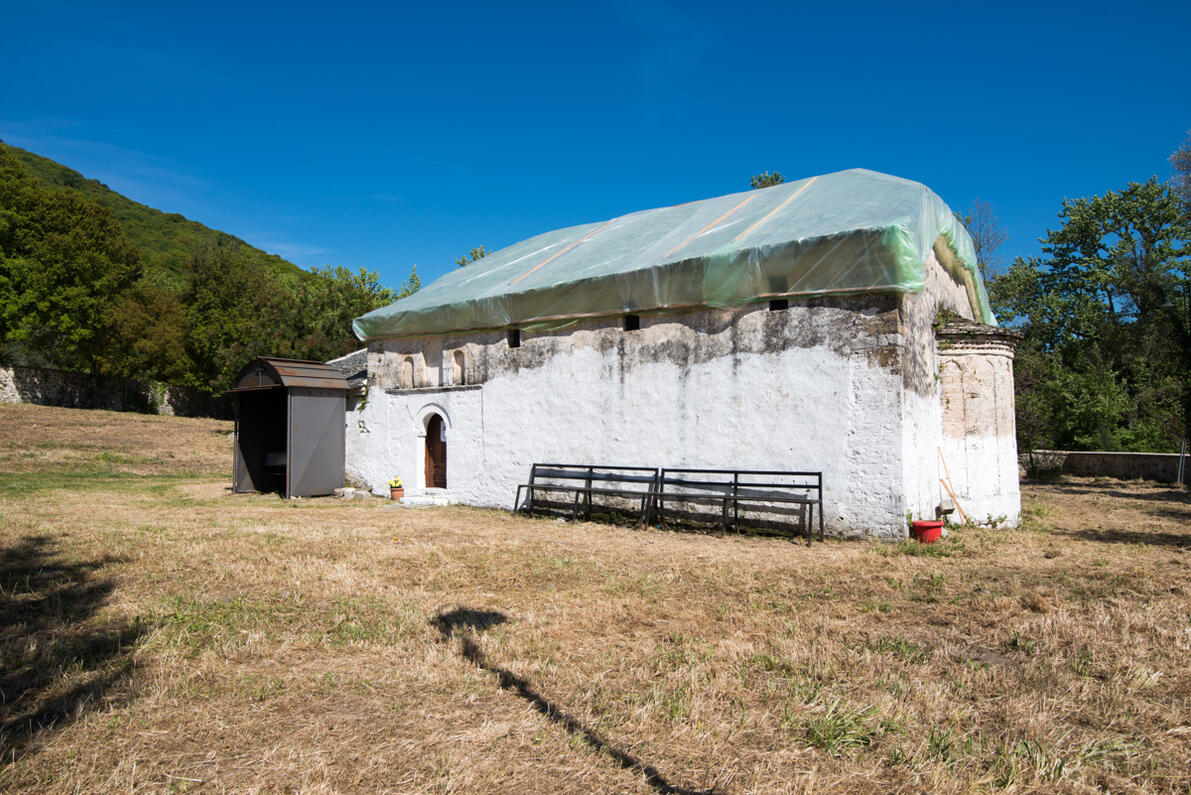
(269, 372)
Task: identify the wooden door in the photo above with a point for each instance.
(436, 454)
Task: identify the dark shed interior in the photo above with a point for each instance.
(289, 427)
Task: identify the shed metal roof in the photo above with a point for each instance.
(847, 232)
(271, 372)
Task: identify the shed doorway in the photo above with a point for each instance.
(436, 453)
(289, 427)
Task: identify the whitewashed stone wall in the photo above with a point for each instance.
(845, 385)
(979, 425)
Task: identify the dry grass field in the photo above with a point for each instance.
(160, 634)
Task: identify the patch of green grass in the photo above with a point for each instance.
(902, 649)
(359, 621)
(261, 689)
(1081, 664)
(770, 663)
(938, 745)
(882, 606)
(674, 703)
(928, 587)
(201, 621)
(839, 728)
(943, 548)
(91, 477)
(1023, 644)
(113, 457)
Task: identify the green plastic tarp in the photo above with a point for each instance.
(848, 232)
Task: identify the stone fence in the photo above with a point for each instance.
(1162, 467)
(76, 390)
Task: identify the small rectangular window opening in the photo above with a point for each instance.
(777, 284)
(632, 322)
(514, 335)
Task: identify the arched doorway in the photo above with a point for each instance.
(436, 453)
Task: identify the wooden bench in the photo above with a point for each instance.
(732, 487)
(582, 482)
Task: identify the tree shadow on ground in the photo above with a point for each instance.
(1166, 493)
(56, 660)
(1115, 536)
(464, 622)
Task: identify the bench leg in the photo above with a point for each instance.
(810, 518)
(529, 503)
(820, 518)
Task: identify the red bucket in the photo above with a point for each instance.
(928, 532)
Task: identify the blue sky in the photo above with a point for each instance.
(390, 134)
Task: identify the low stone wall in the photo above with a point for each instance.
(47, 387)
(1162, 467)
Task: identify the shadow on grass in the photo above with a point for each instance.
(56, 661)
(464, 622)
(1151, 538)
(1166, 492)
(773, 521)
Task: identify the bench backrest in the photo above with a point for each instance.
(738, 481)
(596, 476)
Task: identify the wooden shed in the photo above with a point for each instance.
(289, 427)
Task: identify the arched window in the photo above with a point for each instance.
(458, 369)
(407, 373)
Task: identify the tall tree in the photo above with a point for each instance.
(766, 180)
(475, 254)
(323, 307)
(987, 234)
(149, 339)
(231, 313)
(1104, 353)
(1181, 161)
(65, 270)
(235, 312)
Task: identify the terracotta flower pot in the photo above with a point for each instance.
(396, 494)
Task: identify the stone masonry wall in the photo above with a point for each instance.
(1162, 467)
(48, 387)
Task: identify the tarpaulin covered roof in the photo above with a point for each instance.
(848, 232)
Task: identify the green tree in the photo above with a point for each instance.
(475, 254)
(231, 315)
(324, 307)
(235, 312)
(1181, 161)
(149, 339)
(766, 180)
(1105, 362)
(65, 270)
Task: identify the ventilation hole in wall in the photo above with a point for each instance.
(777, 284)
(632, 322)
(514, 335)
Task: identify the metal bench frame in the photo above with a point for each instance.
(733, 492)
(593, 478)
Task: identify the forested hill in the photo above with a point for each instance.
(165, 241)
(95, 282)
